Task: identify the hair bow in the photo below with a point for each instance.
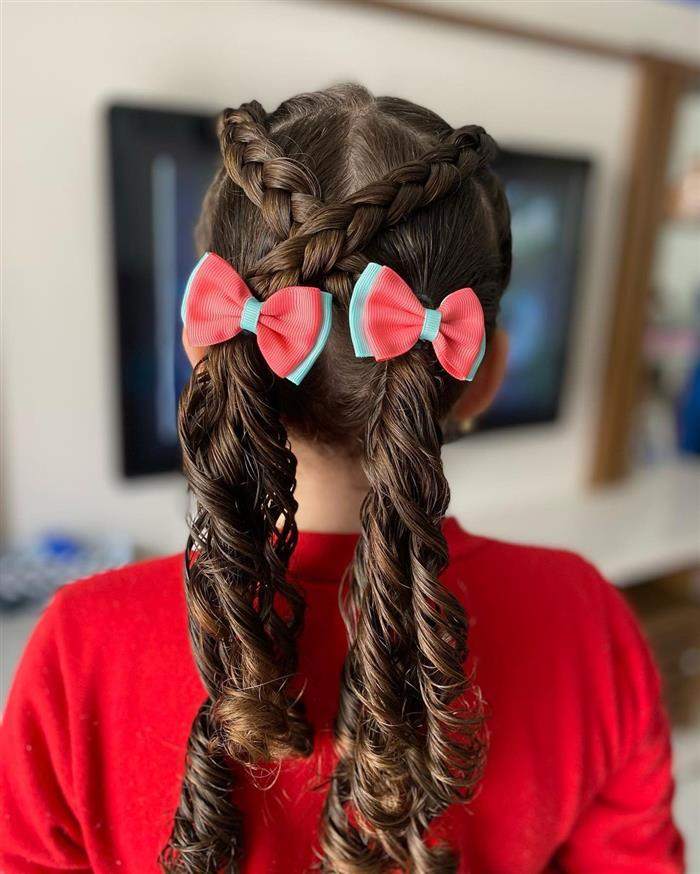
(387, 319)
(292, 325)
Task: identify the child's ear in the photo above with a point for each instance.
(477, 396)
(194, 353)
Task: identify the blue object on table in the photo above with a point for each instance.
(32, 572)
(54, 545)
(689, 414)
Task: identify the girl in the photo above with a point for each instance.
(325, 710)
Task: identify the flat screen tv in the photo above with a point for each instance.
(161, 164)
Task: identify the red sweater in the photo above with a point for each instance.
(578, 775)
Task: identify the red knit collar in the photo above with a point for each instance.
(323, 557)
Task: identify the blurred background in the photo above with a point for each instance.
(594, 442)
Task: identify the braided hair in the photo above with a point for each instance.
(308, 195)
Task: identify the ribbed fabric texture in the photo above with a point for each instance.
(389, 319)
(288, 325)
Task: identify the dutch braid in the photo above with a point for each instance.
(330, 242)
(285, 190)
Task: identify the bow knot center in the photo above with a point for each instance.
(431, 325)
(250, 315)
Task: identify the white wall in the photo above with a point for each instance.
(62, 63)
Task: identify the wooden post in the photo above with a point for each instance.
(661, 83)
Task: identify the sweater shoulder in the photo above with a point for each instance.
(540, 582)
(133, 600)
(557, 613)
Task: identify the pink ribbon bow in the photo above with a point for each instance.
(387, 319)
(292, 325)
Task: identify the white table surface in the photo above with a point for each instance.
(646, 526)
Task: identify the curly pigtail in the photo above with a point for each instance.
(410, 740)
(244, 616)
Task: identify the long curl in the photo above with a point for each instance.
(244, 617)
(410, 729)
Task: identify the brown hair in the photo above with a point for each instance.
(307, 195)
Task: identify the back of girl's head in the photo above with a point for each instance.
(309, 194)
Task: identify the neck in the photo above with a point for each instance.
(330, 489)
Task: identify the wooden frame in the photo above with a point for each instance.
(661, 84)
(498, 27)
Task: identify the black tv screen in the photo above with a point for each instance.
(546, 197)
(161, 165)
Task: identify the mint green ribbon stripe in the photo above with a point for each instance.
(250, 315)
(300, 372)
(431, 325)
(478, 360)
(183, 307)
(358, 301)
